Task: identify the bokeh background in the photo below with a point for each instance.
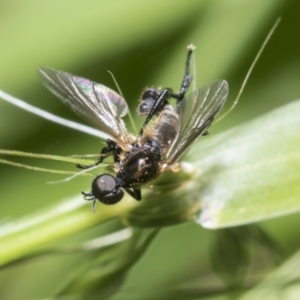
(143, 43)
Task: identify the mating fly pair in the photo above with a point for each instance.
(164, 138)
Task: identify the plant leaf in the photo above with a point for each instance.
(247, 174)
(251, 172)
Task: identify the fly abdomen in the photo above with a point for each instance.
(166, 129)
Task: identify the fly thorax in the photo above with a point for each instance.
(139, 166)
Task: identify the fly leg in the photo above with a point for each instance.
(187, 78)
(134, 193)
(112, 148)
(153, 101)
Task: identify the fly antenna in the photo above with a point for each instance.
(271, 32)
(120, 92)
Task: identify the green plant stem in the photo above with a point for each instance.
(23, 236)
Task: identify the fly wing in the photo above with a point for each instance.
(196, 113)
(92, 101)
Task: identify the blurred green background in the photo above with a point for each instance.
(143, 43)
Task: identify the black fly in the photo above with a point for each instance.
(165, 136)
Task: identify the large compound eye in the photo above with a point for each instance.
(145, 107)
(149, 97)
(103, 187)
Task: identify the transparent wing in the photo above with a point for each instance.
(96, 103)
(196, 113)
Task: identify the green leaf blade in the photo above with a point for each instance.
(252, 172)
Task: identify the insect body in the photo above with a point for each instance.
(165, 136)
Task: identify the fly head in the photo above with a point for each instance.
(106, 189)
(149, 97)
